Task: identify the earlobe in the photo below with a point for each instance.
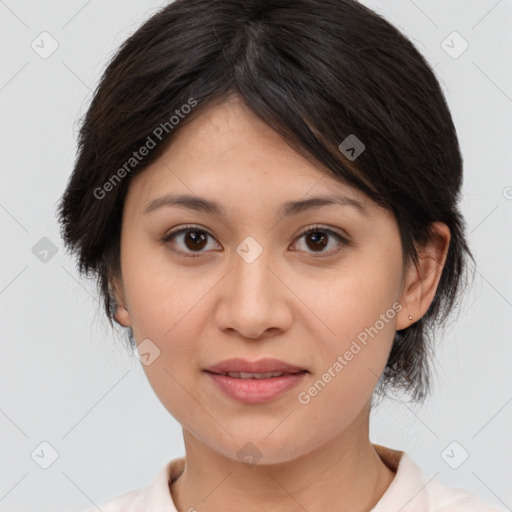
(423, 279)
(121, 314)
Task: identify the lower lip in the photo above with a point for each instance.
(256, 391)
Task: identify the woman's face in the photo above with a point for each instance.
(246, 282)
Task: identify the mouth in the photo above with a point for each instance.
(254, 388)
(257, 376)
(255, 382)
(266, 368)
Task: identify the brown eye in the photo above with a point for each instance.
(189, 239)
(318, 238)
(195, 240)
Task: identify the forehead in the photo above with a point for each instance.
(231, 132)
(227, 152)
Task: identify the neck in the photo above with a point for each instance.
(345, 473)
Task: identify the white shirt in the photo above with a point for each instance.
(410, 491)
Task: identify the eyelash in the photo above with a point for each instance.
(344, 242)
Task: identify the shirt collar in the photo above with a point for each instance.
(158, 495)
(407, 491)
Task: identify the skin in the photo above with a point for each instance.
(294, 302)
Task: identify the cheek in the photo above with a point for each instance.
(169, 302)
(348, 370)
(170, 380)
(355, 315)
(352, 301)
(163, 296)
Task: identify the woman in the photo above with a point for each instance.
(267, 193)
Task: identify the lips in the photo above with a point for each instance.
(255, 387)
(238, 368)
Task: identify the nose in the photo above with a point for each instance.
(254, 299)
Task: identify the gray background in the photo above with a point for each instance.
(65, 378)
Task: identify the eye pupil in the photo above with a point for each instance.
(195, 236)
(318, 238)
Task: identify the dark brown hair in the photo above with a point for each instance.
(316, 71)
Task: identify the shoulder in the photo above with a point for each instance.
(413, 491)
(448, 499)
(132, 501)
(153, 497)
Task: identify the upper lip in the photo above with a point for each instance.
(261, 366)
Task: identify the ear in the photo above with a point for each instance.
(121, 315)
(421, 281)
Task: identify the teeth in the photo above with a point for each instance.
(248, 375)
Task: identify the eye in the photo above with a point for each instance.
(317, 238)
(193, 238)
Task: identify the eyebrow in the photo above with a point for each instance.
(201, 204)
